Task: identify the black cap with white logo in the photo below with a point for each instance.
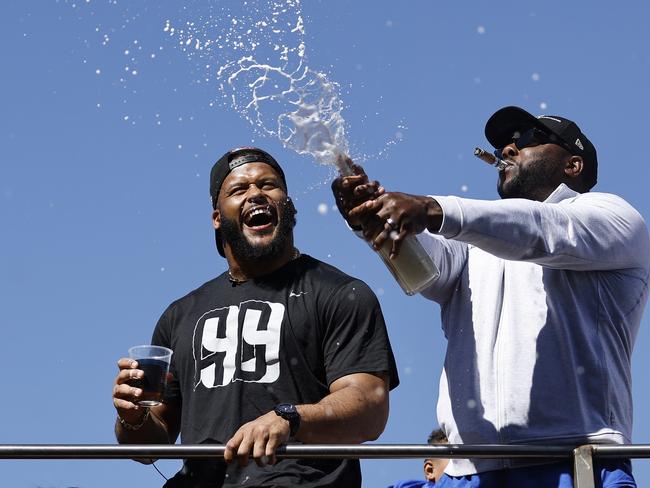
(500, 128)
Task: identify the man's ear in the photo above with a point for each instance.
(216, 218)
(429, 470)
(574, 166)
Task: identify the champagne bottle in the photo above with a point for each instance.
(413, 268)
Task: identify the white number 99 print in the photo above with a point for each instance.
(238, 343)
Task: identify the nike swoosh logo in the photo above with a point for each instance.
(300, 293)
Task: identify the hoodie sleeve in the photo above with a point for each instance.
(591, 231)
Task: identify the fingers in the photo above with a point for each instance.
(348, 182)
(372, 227)
(386, 231)
(125, 388)
(394, 235)
(241, 445)
(244, 449)
(369, 207)
(398, 240)
(232, 446)
(126, 402)
(128, 374)
(349, 190)
(392, 216)
(368, 190)
(259, 449)
(126, 396)
(352, 192)
(259, 438)
(126, 363)
(271, 446)
(389, 231)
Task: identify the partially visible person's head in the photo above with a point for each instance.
(434, 468)
(252, 213)
(546, 151)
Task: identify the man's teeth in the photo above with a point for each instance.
(259, 216)
(258, 211)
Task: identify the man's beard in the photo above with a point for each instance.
(243, 250)
(530, 181)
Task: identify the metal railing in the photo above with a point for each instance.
(582, 456)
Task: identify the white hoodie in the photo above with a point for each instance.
(541, 303)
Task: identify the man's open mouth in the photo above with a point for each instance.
(260, 217)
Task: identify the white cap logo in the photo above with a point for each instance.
(550, 118)
(579, 144)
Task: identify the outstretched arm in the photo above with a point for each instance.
(593, 231)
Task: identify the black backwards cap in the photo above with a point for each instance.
(504, 122)
(231, 160)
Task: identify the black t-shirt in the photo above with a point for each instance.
(239, 350)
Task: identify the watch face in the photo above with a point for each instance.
(286, 408)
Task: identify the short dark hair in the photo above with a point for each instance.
(437, 436)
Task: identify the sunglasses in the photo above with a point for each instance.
(535, 137)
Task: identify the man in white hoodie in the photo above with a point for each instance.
(541, 295)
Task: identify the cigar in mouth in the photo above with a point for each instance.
(491, 159)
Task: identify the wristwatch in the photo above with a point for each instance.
(289, 412)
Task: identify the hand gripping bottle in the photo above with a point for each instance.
(413, 268)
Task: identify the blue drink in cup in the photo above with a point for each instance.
(154, 362)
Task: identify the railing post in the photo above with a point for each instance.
(583, 472)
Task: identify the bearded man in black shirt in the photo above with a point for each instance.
(280, 348)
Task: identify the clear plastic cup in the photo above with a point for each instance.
(154, 362)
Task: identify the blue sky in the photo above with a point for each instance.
(108, 132)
